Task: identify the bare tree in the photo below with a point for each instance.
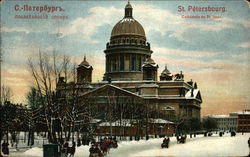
(46, 71)
(7, 93)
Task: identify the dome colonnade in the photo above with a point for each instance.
(127, 50)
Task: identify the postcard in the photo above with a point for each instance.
(124, 78)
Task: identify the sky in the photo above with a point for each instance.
(214, 52)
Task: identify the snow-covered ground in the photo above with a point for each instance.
(199, 146)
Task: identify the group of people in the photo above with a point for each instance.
(165, 143)
(100, 149)
(68, 151)
(5, 148)
(181, 139)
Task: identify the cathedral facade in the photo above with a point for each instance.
(132, 72)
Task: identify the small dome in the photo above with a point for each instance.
(84, 62)
(166, 71)
(128, 5)
(149, 61)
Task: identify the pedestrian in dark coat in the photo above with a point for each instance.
(5, 148)
(65, 149)
(249, 142)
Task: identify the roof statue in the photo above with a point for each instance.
(179, 77)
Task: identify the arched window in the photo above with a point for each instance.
(139, 66)
(122, 62)
(132, 62)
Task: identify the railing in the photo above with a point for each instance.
(116, 45)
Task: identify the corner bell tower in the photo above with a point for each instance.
(84, 72)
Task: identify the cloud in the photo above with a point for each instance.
(87, 26)
(186, 53)
(164, 21)
(230, 67)
(242, 57)
(17, 29)
(245, 45)
(152, 18)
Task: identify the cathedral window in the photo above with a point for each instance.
(114, 65)
(122, 62)
(148, 75)
(139, 66)
(132, 63)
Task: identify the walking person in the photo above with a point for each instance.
(65, 149)
(5, 148)
(249, 145)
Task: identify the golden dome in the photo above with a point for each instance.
(128, 25)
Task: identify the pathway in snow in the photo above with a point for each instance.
(199, 146)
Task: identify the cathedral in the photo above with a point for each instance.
(131, 73)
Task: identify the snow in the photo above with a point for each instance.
(126, 122)
(220, 116)
(95, 120)
(199, 146)
(123, 122)
(188, 94)
(148, 85)
(246, 112)
(34, 152)
(160, 121)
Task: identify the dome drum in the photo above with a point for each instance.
(133, 47)
(124, 36)
(127, 50)
(121, 62)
